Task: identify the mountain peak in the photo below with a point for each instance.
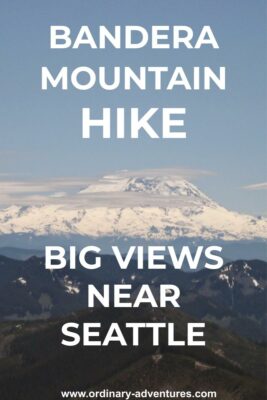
(168, 185)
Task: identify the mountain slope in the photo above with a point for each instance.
(234, 297)
(33, 364)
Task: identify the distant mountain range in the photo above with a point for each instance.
(20, 253)
(233, 297)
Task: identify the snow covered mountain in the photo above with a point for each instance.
(147, 207)
(161, 186)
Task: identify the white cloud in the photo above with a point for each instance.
(66, 191)
(183, 173)
(256, 186)
(58, 195)
(29, 192)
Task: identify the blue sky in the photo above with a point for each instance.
(40, 133)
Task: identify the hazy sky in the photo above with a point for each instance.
(40, 132)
